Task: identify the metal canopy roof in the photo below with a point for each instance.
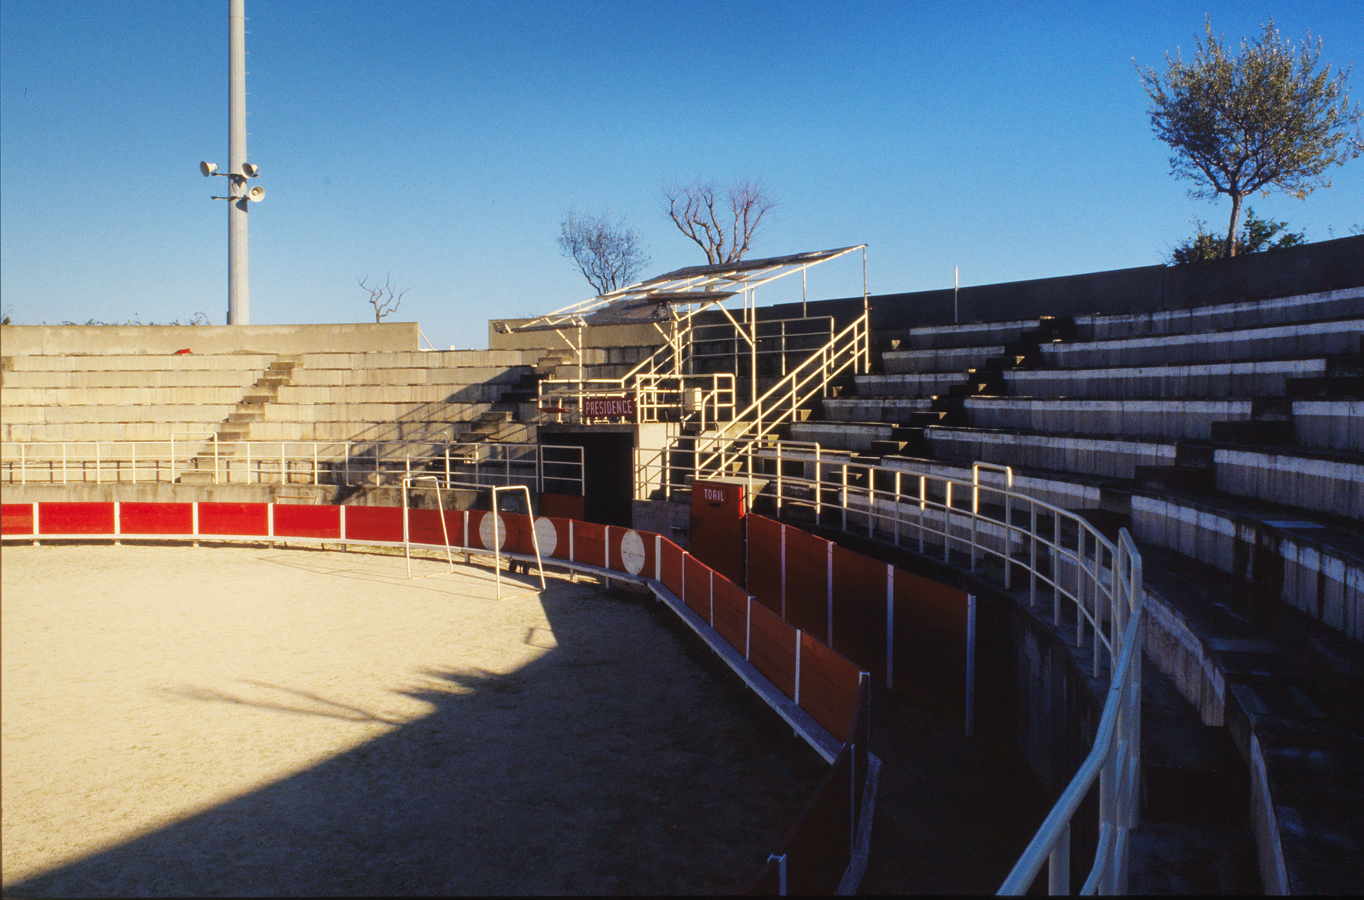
(692, 288)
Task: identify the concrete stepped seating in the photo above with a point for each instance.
(1209, 381)
(950, 337)
(122, 397)
(876, 408)
(1224, 317)
(945, 360)
(1114, 457)
(1163, 420)
(1295, 341)
(927, 384)
(1329, 424)
(1331, 484)
(1322, 563)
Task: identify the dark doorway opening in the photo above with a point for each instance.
(608, 473)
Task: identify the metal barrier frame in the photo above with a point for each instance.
(1099, 580)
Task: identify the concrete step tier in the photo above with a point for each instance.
(89, 432)
(1224, 317)
(384, 377)
(891, 410)
(126, 378)
(926, 384)
(1318, 562)
(1299, 341)
(1162, 420)
(15, 397)
(142, 363)
(1209, 381)
(476, 392)
(943, 360)
(129, 413)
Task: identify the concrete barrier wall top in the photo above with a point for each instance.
(57, 340)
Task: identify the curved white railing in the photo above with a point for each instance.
(1003, 534)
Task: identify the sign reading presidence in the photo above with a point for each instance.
(622, 406)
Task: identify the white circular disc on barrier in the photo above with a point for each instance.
(632, 552)
(546, 535)
(485, 531)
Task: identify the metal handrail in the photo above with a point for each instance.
(298, 462)
(1100, 580)
(781, 402)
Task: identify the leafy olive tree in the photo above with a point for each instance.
(1256, 234)
(610, 255)
(1262, 119)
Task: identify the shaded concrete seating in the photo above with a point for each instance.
(1329, 424)
(1165, 420)
(973, 334)
(1224, 317)
(888, 409)
(1204, 382)
(929, 384)
(1328, 484)
(1109, 457)
(1322, 569)
(946, 359)
(1295, 341)
(853, 436)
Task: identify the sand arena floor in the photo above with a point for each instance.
(246, 720)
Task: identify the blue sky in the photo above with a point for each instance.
(442, 142)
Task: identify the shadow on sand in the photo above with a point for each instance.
(623, 761)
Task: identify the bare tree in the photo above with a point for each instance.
(610, 255)
(720, 219)
(1261, 119)
(385, 298)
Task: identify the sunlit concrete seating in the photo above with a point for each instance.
(1272, 342)
(1204, 382)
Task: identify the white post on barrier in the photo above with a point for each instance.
(890, 623)
(970, 664)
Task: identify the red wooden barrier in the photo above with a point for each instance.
(299, 521)
(828, 686)
(764, 561)
(632, 551)
(930, 644)
(553, 537)
(160, 518)
(16, 518)
(672, 564)
(807, 582)
(697, 594)
(860, 610)
(374, 523)
(76, 518)
(589, 543)
(772, 649)
(424, 527)
(731, 613)
(249, 519)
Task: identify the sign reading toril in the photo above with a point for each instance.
(609, 407)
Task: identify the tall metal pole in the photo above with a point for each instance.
(238, 267)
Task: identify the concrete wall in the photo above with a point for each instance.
(600, 336)
(1323, 266)
(52, 340)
